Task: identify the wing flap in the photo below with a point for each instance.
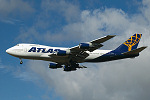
(135, 51)
(79, 56)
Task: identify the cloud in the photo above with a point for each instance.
(14, 11)
(50, 22)
(65, 9)
(146, 9)
(124, 79)
(15, 7)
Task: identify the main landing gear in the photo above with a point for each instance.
(21, 62)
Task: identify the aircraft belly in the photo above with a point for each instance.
(60, 59)
(110, 58)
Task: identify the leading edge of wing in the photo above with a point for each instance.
(102, 39)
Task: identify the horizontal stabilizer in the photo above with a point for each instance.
(82, 66)
(135, 51)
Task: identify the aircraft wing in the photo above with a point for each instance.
(79, 52)
(103, 39)
(97, 41)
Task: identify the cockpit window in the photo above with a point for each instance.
(17, 45)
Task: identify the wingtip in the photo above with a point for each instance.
(111, 35)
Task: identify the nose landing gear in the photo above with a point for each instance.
(21, 62)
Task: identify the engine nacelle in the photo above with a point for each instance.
(85, 45)
(62, 52)
(54, 66)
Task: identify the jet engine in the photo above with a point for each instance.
(89, 45)
(62, 52)
(85, 45)
(54, 66)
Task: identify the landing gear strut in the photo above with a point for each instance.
(21, 62)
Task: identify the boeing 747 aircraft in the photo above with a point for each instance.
(68, 58)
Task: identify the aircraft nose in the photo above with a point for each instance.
(8, 51)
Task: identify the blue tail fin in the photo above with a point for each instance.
(129, 44)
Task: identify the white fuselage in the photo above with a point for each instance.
(42, 52)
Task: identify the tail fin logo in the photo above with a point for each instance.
(133, 40)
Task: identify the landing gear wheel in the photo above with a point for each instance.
(21, 62)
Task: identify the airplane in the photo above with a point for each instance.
(69, 58)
